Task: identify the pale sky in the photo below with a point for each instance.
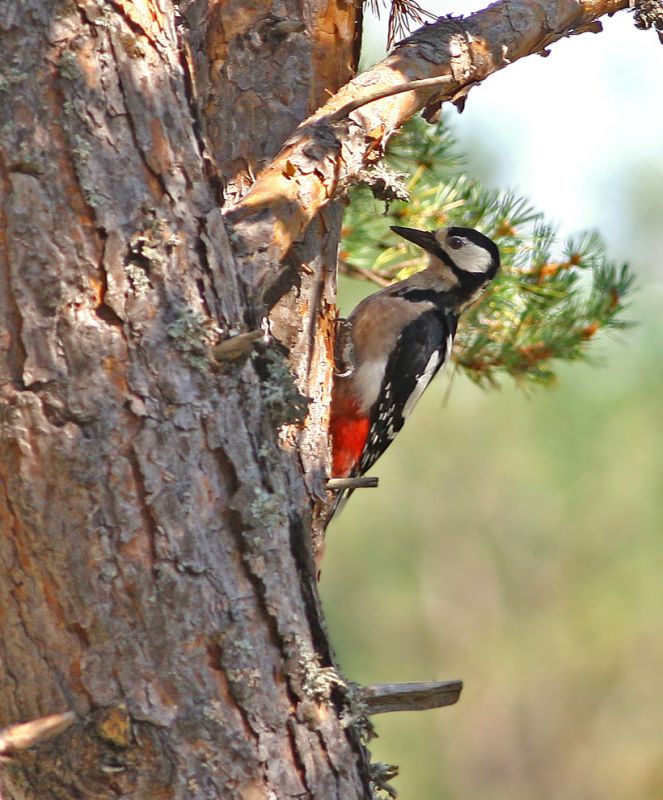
(571, 130)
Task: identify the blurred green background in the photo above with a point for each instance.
(516, 541)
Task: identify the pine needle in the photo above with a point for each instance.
(551, 298)
(403, 16)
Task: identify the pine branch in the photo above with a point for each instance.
(403, 15)
(550, 299)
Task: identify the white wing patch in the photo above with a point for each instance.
(422, 382)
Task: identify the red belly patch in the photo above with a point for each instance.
(349, 436)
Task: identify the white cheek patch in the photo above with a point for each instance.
(422, 382)
(472, 258)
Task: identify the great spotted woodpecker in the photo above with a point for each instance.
(400, 337)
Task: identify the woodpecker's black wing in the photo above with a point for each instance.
(422, 348)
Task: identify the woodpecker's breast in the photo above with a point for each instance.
(378, 323)
(401, 336)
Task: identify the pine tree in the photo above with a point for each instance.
(551, 297)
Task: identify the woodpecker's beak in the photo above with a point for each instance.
(425, 239)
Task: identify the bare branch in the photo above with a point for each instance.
(346, 268)
(424, 83)
(380, 698)
(350, 131)
(352, 483)
(28, 734)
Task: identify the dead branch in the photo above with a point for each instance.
(381, 698)
(339, 484)
(29, 734)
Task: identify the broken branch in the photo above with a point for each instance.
(381, 698)
(352, 483)
(28, 734)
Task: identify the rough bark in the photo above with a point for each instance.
(274, 67)
(157, 576)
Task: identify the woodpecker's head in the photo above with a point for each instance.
(463, 257)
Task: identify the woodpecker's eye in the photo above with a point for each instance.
(455, 242)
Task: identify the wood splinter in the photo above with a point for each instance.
(237, 347)
(380, 698)
(28, 734)
(352, 483)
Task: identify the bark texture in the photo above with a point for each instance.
(258, 72)
(156, 565)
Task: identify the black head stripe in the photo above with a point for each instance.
(414, 294)
(443, 256)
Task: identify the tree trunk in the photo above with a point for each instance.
(157, 571)
(161, 482)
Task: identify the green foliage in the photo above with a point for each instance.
(550, 299)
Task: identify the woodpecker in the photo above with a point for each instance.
(400, 337)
